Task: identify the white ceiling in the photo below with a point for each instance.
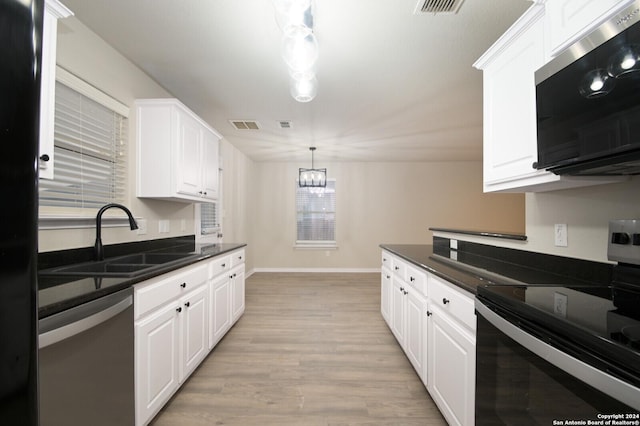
(393, 85)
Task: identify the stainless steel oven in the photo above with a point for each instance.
(550, 354)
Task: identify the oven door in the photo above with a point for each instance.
(522, 380)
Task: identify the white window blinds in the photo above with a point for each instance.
(209, 223)
(316, 214)
(90, 146)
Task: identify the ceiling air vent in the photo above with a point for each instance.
(438, 6)
(245, 124)
(285, 124)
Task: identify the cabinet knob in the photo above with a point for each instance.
(429, 313)
(44, 157)
(401, 288)
(224, 265)
(178, 309)
(239, 257)
(187, 304)
(183, 285)
(412, 279)
(397, 267)
(388, 276)
(230, 276)
(445, 300)
(405, 292)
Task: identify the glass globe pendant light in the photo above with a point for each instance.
(304, 89)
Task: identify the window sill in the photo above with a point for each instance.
(79, 222)
(315, 245)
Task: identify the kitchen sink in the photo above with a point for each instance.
(122, 266)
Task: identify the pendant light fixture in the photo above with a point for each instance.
(299, 46)
(312, 178)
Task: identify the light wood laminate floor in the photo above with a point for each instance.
(311, 349)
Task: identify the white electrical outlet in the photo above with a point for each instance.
(560, 304)
(453, 244)
(142, 226)
(560, 235)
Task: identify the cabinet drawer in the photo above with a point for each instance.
(399, 268)
(386, 260)
(237, 257)
(417, 279)
(457, 302)
(219, 265)
(153, 293)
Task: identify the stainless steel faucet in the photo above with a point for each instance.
(98, 250)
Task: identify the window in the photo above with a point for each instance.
(316, 216)
(90, 147)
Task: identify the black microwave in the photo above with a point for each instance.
(588, 102)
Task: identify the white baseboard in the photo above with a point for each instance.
(314, 270)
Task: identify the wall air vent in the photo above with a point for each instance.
(245, 124)
(438, 6)
(285, 124)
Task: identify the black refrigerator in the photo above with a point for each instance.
(20, 63)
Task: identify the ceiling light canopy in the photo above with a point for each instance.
(299, 46)
(312, 178)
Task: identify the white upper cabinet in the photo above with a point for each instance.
(53, 11)
(570, 20)
(177, 153)
(509, 107)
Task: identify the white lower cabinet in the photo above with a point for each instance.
(385, 294)
(434, 322)
(416, 332)
(236, 282)
(179, 317)
(451, 368)
(220, 300)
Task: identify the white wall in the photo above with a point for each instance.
(376, 203)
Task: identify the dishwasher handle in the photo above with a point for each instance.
(74, 321)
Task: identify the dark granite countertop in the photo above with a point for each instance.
(491, 234)
(56, 294)
(474, 265)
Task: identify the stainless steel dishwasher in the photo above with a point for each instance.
(86, 364)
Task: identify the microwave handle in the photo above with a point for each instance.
(606, 383)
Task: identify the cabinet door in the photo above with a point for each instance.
(189, 148)
(195, 336)
(451, 368)
(157, 361)
(510, 145)
(570, 20)
(220, 312)
(398, 311)
(416, 327)
(210, 182)
(386, 295)
(237, 293)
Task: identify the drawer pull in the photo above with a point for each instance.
(178, 309)
(445, 300)
(183, 285)
(412, 279)
(187, 304)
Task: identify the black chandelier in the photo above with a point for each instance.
(312, 178)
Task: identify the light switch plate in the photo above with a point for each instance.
(164, 226)
(142, 226)
(560, 235)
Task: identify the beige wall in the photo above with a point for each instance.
(376, 203)
(586, 211)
